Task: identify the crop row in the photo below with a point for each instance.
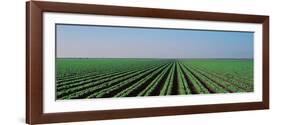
(170, 78)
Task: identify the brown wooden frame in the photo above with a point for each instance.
(34, 61)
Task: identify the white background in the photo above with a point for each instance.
(12, 64)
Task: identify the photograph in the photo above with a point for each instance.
(88, 61)
(102, 61)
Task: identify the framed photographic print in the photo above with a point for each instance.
(95, 62)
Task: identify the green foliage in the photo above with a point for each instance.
(237, 72)
(102, 78)
(167, 89)
(184, 88)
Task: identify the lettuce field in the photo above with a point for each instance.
(107, 78)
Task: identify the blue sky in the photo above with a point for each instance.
(77, 41)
